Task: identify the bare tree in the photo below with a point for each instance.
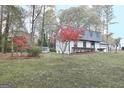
(34, 17)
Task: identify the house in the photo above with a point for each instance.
(90, 42)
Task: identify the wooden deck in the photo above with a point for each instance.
(81, 49)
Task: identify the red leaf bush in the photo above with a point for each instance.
(21, 43)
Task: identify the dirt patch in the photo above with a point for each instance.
(5, 56)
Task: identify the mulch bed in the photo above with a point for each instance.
(8, 56)
(20, 57)
(4, 56)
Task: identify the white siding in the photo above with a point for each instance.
(88, 44)
(80, 44)
(71, 45)
(59, 44)
(97, 45)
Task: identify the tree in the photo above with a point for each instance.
(100, 12)
(1, 25)
(35, 13)
(21, 43)
(74, 16)
(67, 34)
(80, 16)
(105, 12)
(93, 20)
(12, 16)
(6, 33)
(117, 43)
(108, 11)
(43, 21)
(52, 40)
(46, 23)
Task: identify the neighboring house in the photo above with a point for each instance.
(90, 42)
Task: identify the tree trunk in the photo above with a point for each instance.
(12, 50)
(1, 23)
(107, 36)
(32, 33)
(43, 21)
(6, 33)
(116, 49)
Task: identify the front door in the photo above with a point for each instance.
(92, 46)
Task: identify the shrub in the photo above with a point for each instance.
(34, 51)
(21, 43)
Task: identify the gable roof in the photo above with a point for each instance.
(92, 36)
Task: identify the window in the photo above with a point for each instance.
(92, 44)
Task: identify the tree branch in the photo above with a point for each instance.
(37, 14)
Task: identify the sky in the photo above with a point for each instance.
(117, 28)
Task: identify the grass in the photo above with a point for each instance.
(50, 70)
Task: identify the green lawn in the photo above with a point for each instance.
(50, 70)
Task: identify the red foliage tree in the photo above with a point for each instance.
(21, 43)
(67, 34)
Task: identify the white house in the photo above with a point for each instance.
(90, 42)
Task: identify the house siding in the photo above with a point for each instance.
(88, 44)
(97, 45)
(92, 42)
(80, 44)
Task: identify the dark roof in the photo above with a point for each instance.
(92, 36)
